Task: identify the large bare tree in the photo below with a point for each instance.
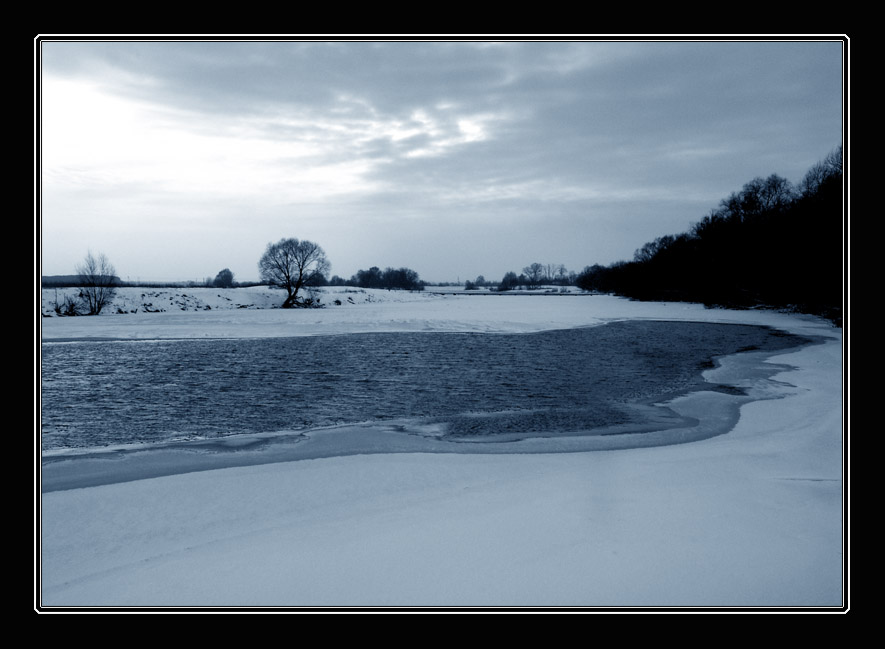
(98, 280)
(293, 265)
(534, 274)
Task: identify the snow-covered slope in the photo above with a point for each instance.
(753, 518)
(133, 300)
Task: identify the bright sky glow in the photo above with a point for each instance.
(178, 159)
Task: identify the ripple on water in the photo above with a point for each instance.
(470, 386)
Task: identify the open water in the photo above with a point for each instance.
(472, 386)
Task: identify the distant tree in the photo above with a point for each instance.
(509, 282)
(757, 197)
(371, 278)
(648, 251)
(389, 278)
(402, 278)
(224, 279)
(534, 273)
(828, 168)
(591, 278)
(768, 194)
(293, 265)
(561, 275)
(98, 283)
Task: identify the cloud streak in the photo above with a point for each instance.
(384, 151)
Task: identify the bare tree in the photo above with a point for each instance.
(98, 282)
(829, 167)
(293, 265)
(759, 196)
(509, 282)
(534, 273)
(652, 248)
(561, 274)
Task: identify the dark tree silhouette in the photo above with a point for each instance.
(371, 278)
(293, 265)
(98, 283)
(389, 278)
(534, 274)
(509, 282)
(402, 278)
(770, 244)
(224, 279)
(821, 173)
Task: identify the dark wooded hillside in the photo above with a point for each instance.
(771, 244)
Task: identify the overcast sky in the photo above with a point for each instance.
(455, 159)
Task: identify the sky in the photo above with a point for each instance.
(456, 158)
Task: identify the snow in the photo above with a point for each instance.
(752, 518)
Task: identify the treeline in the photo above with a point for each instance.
(771, 244)
(389, 278)
(533, 276)
(536, 275)
(68, 281)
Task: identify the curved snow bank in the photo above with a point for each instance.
(751, 518)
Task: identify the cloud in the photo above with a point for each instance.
(640, 136)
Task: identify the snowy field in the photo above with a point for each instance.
(752, 518)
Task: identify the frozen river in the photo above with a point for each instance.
(466, 386)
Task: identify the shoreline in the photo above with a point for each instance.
(752, 518)
(694, 413)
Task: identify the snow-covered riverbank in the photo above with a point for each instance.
(751, 518)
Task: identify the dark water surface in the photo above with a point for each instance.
(97, 394)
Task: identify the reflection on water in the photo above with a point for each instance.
(107, 393)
